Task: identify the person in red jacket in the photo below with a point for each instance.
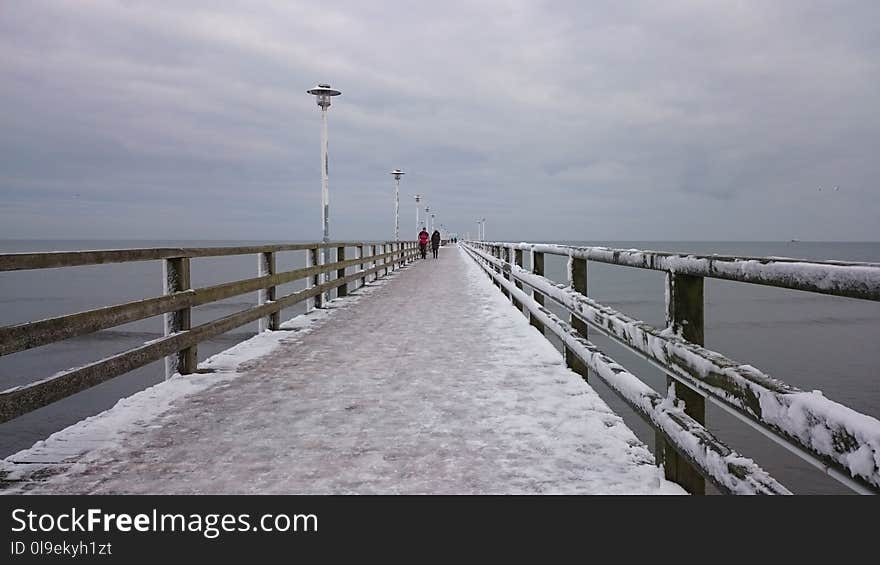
(423, 242)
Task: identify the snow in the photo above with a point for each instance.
(432, 384)
(729, 469)
(813, 421)
(844, 278)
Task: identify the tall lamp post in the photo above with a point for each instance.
(483, 224)
(323, 93)
(397, 173)
(418, 198)
(427, 209)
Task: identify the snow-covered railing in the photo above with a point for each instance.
(838, 278)
(840, 441)
(178, 346)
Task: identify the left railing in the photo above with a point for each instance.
(178, 345)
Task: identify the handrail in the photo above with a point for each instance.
(178, 344)
(20, 337)
(728, 470)
(837, 278)
(55, 259)
(841, 441)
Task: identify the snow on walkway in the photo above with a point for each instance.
(431, 384)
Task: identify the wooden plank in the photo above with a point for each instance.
(577, 281)
(538, 270)
(684, 315)
(836, 278)
(56, 259)
(266, 268)
(340, 273)
(177, 279)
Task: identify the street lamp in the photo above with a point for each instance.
(418, 198)
(427, 209)
(479, 229)
(432, 222)
(483, 224)
(323, 93)
(397, 173)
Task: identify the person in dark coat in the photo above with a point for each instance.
(435, 242)
(423, 242)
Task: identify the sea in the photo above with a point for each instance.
(811, 341)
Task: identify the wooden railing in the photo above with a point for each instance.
(178, 346)
(841, 442)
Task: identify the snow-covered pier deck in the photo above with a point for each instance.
(424, 382)
(422, 377)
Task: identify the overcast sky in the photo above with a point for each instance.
(617, 120)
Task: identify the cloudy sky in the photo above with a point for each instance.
(625, 120)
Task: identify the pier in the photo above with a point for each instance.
(421, 376)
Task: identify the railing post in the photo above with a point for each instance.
(577, 280)
(502, 255)
(374, 262)
(538, 269)
(684, 314)
(340, 273)
(518, 261)
(385, 259)
(266, 267)
(317, 260)
(360, 255)
(177, 279)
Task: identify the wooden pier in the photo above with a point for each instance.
(417, 377)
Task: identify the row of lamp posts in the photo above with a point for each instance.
(323, 94)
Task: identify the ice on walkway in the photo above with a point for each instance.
(432, 384)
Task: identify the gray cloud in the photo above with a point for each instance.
(555, 120)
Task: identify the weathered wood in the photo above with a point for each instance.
(684, 315)
(20, 400)
(55, 259)
(518, 261)
(340, 273)
(266, 295)
(741, 388)
(577, 281)
(317, 280)
(728, 471)
(538, 269)
(837, 278)
(177, 279)
(500, 254)
(360, 255)
(20, 337)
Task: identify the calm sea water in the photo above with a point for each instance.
(810, 341)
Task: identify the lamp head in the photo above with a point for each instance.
(323, 93)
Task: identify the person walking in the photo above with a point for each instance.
(435, 242)
(423, 243)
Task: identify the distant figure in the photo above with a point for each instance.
(435, 242)
(423, 243)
